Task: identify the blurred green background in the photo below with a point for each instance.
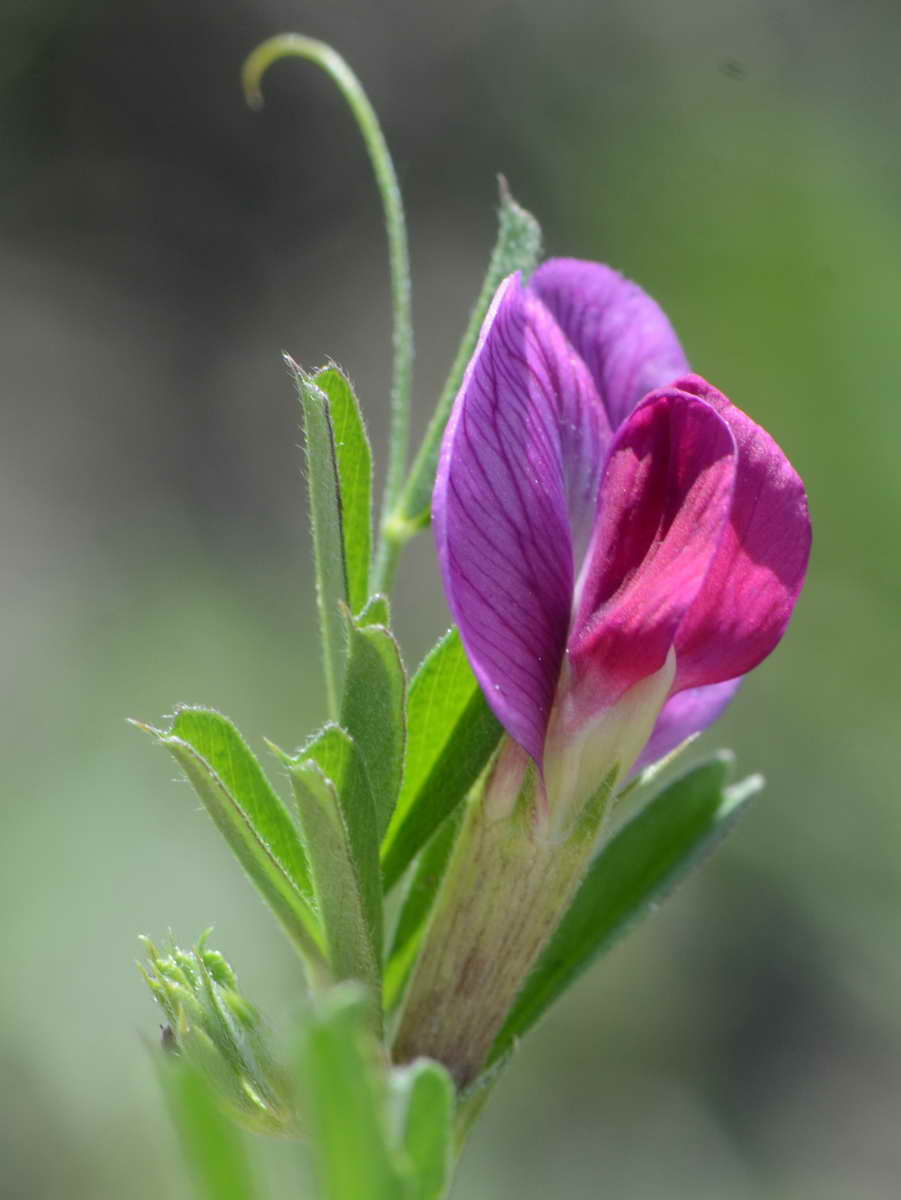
(159, 246)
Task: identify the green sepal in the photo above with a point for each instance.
(373, 711)
(638, 866)
(233, 788)
(452, 734)
(338, 818)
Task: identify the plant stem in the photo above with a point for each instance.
(395, 225)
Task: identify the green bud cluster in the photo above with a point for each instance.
(219, 1032)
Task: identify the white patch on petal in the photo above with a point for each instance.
(577, 759)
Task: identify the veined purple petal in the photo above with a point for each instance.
(664, 501)
(753, 583)
(623, 335)
(519, 465)
(685, 714)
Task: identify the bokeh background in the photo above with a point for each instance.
(159, 246)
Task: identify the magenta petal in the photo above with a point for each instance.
(622, 334)
(685, 714)
(519, 464)
(754, 581)
(664, 501)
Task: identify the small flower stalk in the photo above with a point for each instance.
(620, 545)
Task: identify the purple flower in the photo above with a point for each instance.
(619, 543)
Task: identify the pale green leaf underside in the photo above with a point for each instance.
(354, 463)
(338, 820)
(372, 712)
(250, 815)
(326, 523)
(640, 864)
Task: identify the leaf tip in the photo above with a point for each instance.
(143, 726)
(283, 756)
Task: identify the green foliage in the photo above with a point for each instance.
(338, 818)
(376, 1135)
(250, 815)
(452, 735)
(377, 611)
(639, 865)
(425, 1102)
(373, 711)
(339, 477)
(215, 1029)
(354, 468)
(212, 1145)
(418, 902)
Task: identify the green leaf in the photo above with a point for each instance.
(452, 735)
(424, 1094)
(211, 1143)
(372, 712)
(338, 819)
(518, 248)
(354, 463)
(376, 612)
(639, 865)
(324, 486)
(250, 815)
(343, 1091)
(420, 897)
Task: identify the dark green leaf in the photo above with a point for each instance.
(372, 712)
(452, 734)
(250, 815)
(640, 864)
(354, 462)
(338, 819)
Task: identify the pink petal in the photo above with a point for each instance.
(664, 501)
(743, 609)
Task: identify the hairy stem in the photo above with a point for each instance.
(398, 252)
